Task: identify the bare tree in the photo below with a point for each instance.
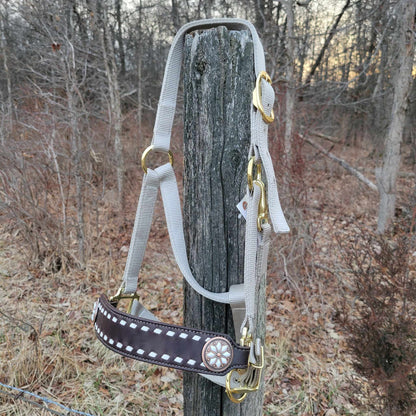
(115, 115)
(289, 6)
(120, 37)
(140, 83)
(327, 42)
(402, 81)
(9, 101)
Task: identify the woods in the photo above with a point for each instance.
(90, 72)
(79, 85)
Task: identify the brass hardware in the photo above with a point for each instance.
(257, 97)
(238, 394)
(231, 393)
(262, 217)
(262, 213)
(250, 167)
(121, 295)
(243, 390)
(147, 151)
(246, 338)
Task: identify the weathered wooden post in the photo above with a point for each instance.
(218, 82)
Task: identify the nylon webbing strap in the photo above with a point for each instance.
(162, 135)
(138, 334)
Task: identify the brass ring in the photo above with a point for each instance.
(234, 398)
(147, 151)
(231, 393)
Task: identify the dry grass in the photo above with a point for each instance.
(47, 345)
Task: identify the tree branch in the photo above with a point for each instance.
(327, 42)
(342, 162)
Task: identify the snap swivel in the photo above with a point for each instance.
(262, 216)
(248, 379)
(250, 168)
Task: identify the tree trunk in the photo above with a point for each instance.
(290, 78)
(8, 81)
(115, 103)
(140, 74)
(402, 79)
(218, 79)
(76, 151)
(120, 40)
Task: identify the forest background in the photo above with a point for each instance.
(79, 85)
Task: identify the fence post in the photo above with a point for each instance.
(218, 82)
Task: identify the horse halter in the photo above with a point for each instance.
(137, 333)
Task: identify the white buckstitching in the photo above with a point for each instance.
(144, 328)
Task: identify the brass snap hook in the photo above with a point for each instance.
(262, 213)
(238, 394)
(250, 168)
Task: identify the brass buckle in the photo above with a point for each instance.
(114, 300)
(238, 394)
(257, 97)
(262, 216)
(147, 151)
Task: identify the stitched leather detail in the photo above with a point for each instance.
(158, 343)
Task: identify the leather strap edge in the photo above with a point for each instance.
(170, 345)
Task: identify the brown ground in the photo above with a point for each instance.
(47, 344)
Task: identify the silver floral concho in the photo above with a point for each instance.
(217, 354)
